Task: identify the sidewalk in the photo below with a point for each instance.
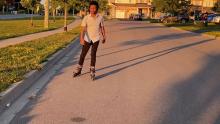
(20, 39)
(18, 16)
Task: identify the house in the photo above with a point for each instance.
(203, 5)
(124, 8)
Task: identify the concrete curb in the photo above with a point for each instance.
(17, 89)
(205, 35)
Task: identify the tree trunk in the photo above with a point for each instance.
(54, 13)
(73, 11)
(3, 9)
(46, 14)
(65, 17)
(32, 24)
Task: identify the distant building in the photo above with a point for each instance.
(203, 5)
(124, 8)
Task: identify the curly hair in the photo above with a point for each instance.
(94, 3)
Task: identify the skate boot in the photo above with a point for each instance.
(92, 73)
(77, 72)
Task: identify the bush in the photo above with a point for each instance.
(201, 23)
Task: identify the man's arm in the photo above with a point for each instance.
(103, 32)
(82, 34)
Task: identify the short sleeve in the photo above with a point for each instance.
(102, 22)
(83, 24)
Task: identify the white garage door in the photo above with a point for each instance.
(120, 14)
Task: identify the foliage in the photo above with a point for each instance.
(216, 7)
(1, 3)
(172, 6)
(33, 5)
(211, 29)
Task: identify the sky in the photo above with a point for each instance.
(42, 1)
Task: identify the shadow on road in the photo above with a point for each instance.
(143, 27)
(143, 43)
(146, 58)
(196, 100)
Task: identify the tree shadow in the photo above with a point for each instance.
(192, 99)
(147, 57)
(143, 43)
(143, 27)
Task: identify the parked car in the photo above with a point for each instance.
(182, 18)
(169, 19)
(136, 17)
(210, 17)
(216, 19)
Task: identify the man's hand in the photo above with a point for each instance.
(103, 40)
(82, 41)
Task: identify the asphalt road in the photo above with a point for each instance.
(146, 74)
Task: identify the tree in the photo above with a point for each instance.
(160, 5)
(184, 5)
(74, 4)
(171, 6)
(65, 14)
(54, 4)
(2, 4)
(32, 5)
(216, 7)
(46, 14)
(103, 5)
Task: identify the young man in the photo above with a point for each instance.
(92, 29)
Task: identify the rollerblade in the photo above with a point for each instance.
(92, 73)
(78, 71)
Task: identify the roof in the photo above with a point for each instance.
(132, 5)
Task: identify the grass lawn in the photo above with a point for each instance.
(18, 27)
(212, 28)
(17, 60)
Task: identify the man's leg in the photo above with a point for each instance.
(93, 53)
(93, 59)
(85, 50)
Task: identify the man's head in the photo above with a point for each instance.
(93, 7)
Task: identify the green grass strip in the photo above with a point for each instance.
(19, 27)
(212, 28)
(17, 60)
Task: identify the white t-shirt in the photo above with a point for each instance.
(93, 26)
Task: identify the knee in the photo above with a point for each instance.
(93, 54)
(82, 56)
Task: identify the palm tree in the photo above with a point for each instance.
(46, 14)
(54, 4)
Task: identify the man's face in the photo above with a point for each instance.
(92, 9)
